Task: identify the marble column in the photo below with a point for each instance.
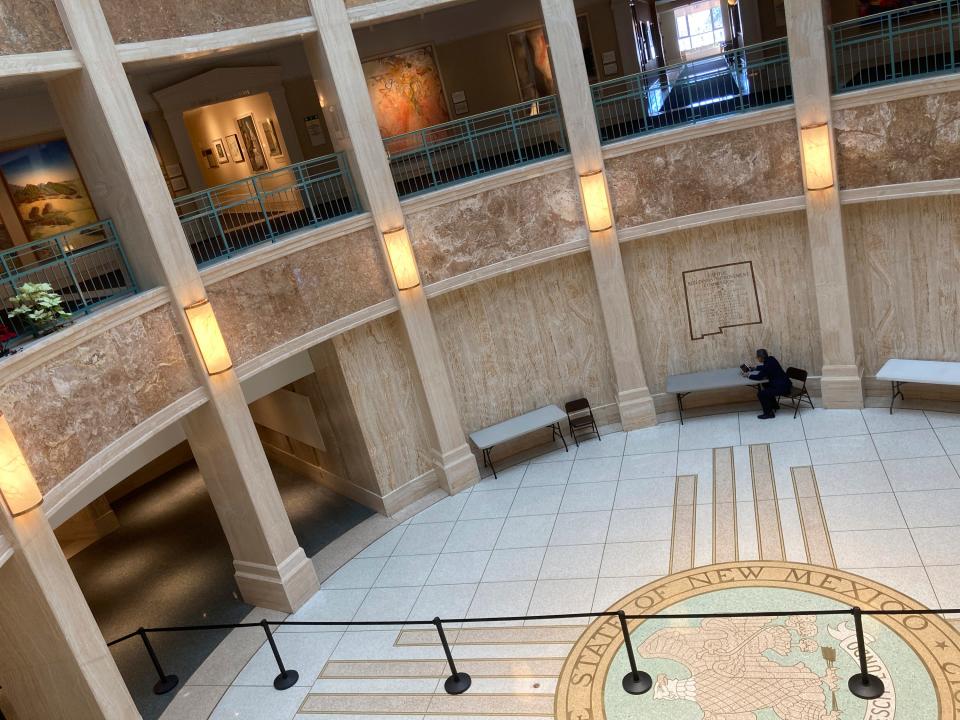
(54, 662)
(633, 395)
(342, 88)
(841, 381)
(109, 139)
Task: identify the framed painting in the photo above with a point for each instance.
(273, 140)
(250, 139)
(220, 150)
(530, 52)
(46, 189)
(210, 157)
(406, 90)
(233, 148)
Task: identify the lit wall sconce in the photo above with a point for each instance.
(402, 261)
(731, 3)
(206, 331)
(596, 202)
(817, 156)
(17, 487)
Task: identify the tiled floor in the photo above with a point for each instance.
(568, 532)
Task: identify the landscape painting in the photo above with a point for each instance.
(406, 91)
(46, 188)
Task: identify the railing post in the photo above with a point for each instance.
(225, 245)
(950, 63)
(893, 58)
(306, 194)
(69, 266)
(458, 682)
(863, 685)
(516, 135)
(635, 682)
(166, 683)
(263, 208)
(287, 678)
(472, 142)
(426, 150)
(123, 255)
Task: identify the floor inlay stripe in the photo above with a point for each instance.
(497, 635)
(683, 544)
(816, 536)
(519, 667)
(397, 704)
(769, 534)
(724, 506)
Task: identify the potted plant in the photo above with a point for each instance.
(39, 306)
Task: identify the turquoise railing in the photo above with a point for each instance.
(734, 81)
(221, 221)
(463, 149)
(85, 266)
(896, 45)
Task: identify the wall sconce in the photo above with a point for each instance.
(402, 261)
(817, 156)
(596, 202)
(732, 3)
(17, 487)
(206, 332)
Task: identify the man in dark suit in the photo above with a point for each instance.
(776, 383)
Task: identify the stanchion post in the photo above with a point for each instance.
(635, 682)
(458, 682)
(286, 678)
(863, 685)
(166, 683)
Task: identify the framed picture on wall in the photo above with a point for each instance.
(211, 157)
(233, 148)
(221, 151)
(250, 139)
(273, 140)
(531, 59)
(406, 91)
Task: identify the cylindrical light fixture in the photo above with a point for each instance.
(206, 331)
(17, 487)
(817, 156)
(596, 202)
(402, 261)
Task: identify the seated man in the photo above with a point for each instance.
(777, 383)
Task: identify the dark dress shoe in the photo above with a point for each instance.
(766, 416)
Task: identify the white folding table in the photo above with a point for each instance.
(930, 372)
(686, 383)
(549, 416)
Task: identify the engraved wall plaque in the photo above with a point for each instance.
(719, 297)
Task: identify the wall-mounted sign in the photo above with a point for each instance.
(720, 297)
(314, 127)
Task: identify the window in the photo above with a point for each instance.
(700, 25)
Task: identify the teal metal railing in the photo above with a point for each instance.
(734, 81)
(221, 221)
(463, 149)
(85, 266)
(896, 45)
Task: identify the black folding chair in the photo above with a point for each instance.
(798, 393)
(580, 419)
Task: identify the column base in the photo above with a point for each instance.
(285, 587)
(841, 387)
(636, 409)
(458, 469)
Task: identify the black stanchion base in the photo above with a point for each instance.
(166, 685)
(286, 679)
(457, 684)
(637, 685)
(869, 690)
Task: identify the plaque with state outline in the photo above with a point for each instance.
(720, 297)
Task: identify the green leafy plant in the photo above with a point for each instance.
(38, 305)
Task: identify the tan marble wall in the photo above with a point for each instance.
(263, 307)
(495, 225)
(156, 19)
(30, 26)
(379, 370)
(744, 166)
(904, 260)
(530, 338)
(777, 246)
(901, 141)
(67, 410)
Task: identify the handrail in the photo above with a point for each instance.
(86, 266)
(459, 150)
(896, 44)
(736, 81)
(223, 220)
(863, 685)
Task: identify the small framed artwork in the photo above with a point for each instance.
(314, 127)
(252, 146)
(233, 148)
(178, 183)
(221, 151)
(610, 56)
(610, 69)
(460, 108)
(459, 96)
(174, 170)
(273, 141)
(211, 157)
